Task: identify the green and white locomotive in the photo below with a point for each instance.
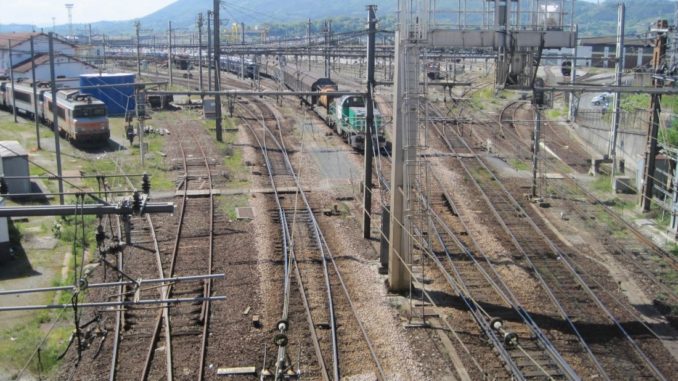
(347, 116)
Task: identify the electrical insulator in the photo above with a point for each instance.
(136, 201)
(130, 134)
(100, 236)
(146, 184)
(3, 186)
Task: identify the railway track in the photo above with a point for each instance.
(651, 264)
(618, 354)
(327, 322)
(521, 345)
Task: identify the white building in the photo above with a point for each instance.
(21, 48)
(67, 67)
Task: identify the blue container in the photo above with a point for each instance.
(119, 99)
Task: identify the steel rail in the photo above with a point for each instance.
(323, 255)
(168, 290)
(567, 262)
(477, 312)
(328, 255)
(501, 289)
(518, 246)
(288, 250)
(118, 315)
(164, 312)
(205, 330)
(647, 242)
(503, 292)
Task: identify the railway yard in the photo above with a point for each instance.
(489, 243)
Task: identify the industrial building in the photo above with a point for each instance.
(65, 61)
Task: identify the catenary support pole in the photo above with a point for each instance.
(535, 149)
(137, 27)
(308, 39)
(55, 125)
(35, 94)
(619, 72)
(209, 50)
(369, 122)
(573, 80)
(653, 127)
(200, 24)
(217, 70)
(169, 52)
(12, 79)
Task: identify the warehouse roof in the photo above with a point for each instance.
(612, 41)
(11, 148)
(19, 38)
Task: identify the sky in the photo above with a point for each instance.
(40, 12)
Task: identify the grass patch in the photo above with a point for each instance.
(555, 113)
(17, 345)
(519, 165)
(632, 102)
(480, 98)
(227, 204)
(233, 156)
(602, 184)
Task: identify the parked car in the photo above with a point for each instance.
(601, 99)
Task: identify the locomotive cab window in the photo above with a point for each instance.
(89, 112)
(355, 102)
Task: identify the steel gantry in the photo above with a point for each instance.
(517, 30)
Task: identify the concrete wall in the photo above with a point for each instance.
(631, 144)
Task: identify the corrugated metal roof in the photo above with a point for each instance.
(21, 37)
(612, 41)
(11, 148)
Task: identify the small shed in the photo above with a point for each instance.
(117, 93)
(209, 109)
(15, 163)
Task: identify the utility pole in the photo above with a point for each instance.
(535, 148)
(369, 121)
(137, 27)
(89, 39)
(35, 94)
(573, 78)
(217, 73)
(242, 56)
(169, 52)
(200, 24)
(141, 116)
(328, 35)
(103, 49)
(308, 37)
(619, 72)
(653, 128)
(209, 50)
(55, 113)
(11, 76)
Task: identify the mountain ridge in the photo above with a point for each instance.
(287, 16)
